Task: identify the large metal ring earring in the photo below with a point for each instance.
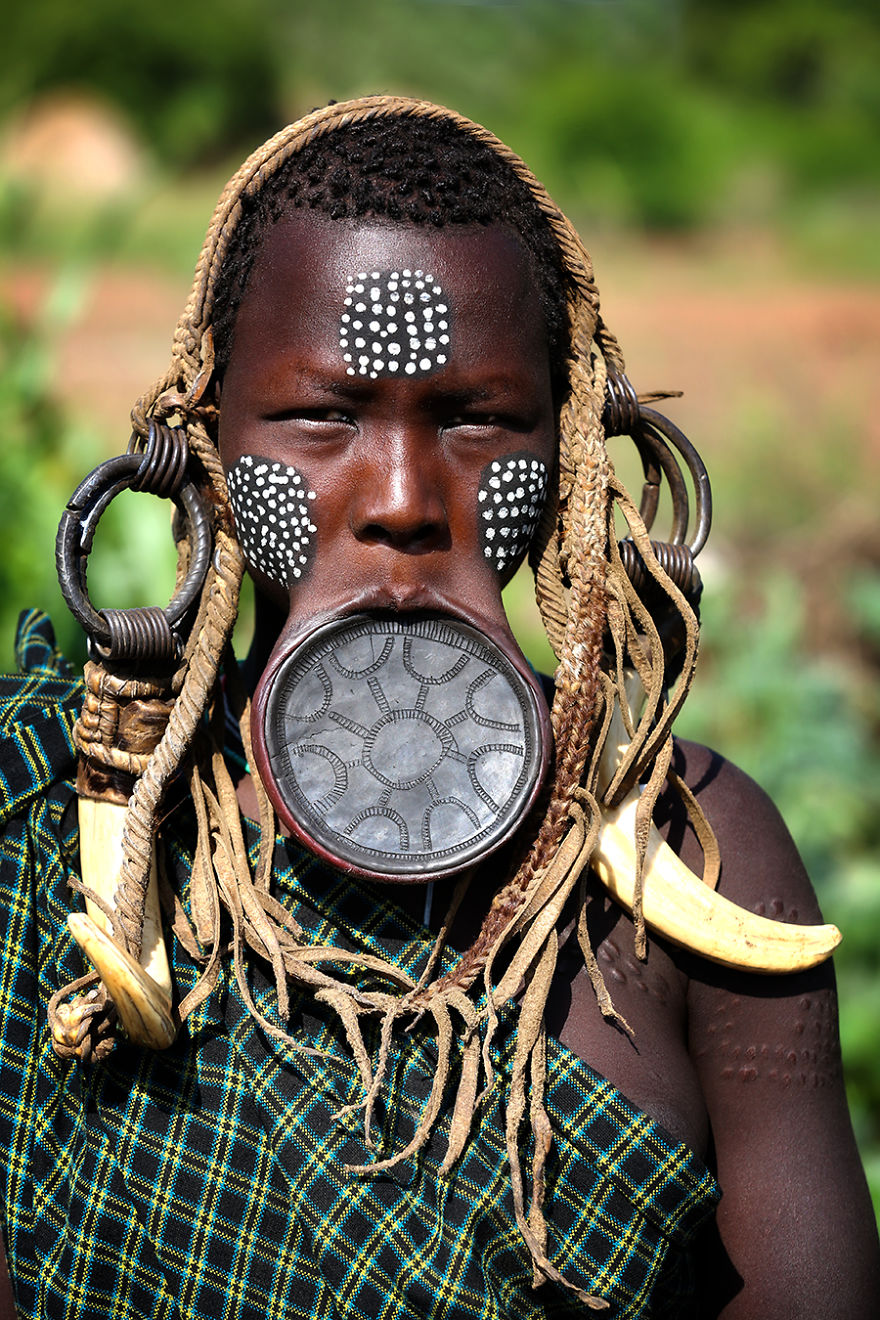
(664, 451)
(129, 697)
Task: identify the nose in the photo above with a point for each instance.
(400, 500)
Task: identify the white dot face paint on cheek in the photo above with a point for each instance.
(510, 499)
(272, 517)
(408, 319)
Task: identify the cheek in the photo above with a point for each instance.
(510, 499)
(273, 519)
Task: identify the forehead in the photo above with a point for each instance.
(306, 265)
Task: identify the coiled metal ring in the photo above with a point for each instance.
(137, 638)
(661, 446)
(677, 562)
(657, 428)
(164, 460)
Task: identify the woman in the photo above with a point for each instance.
(391, 382)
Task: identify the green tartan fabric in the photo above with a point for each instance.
(210, 1180)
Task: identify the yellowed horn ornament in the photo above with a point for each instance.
(676, 903)
(141, 992)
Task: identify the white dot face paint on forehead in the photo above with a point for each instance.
(511, 496)
(394, 323)
(271, 507)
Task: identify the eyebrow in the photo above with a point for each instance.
(355, 387)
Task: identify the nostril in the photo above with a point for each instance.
(415, 538)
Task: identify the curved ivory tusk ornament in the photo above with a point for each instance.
(136, 996)
(676, 903)
(143, 1007)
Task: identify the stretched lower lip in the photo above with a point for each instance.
(402, 602)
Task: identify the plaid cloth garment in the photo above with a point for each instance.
(210, 1181)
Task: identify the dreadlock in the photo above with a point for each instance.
(359, 158)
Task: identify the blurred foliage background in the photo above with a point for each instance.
(721, 158)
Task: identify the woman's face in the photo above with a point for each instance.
(387, 424)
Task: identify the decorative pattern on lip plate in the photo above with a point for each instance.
(403, 746)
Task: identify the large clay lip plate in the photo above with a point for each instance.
(403, 745)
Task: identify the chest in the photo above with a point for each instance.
(649, 1062)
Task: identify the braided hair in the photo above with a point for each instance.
(417, 162)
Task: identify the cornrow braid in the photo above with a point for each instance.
(341, 159)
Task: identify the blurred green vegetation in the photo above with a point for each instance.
(39, 453)
(44, 455)
(643, 116)
(653, 113)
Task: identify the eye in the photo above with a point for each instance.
(474, 421)
(328, 415)
(318, 416)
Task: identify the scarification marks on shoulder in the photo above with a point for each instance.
(624, 968)
(804, 1053)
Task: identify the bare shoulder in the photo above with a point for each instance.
(795, 1229)
(761, 867)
